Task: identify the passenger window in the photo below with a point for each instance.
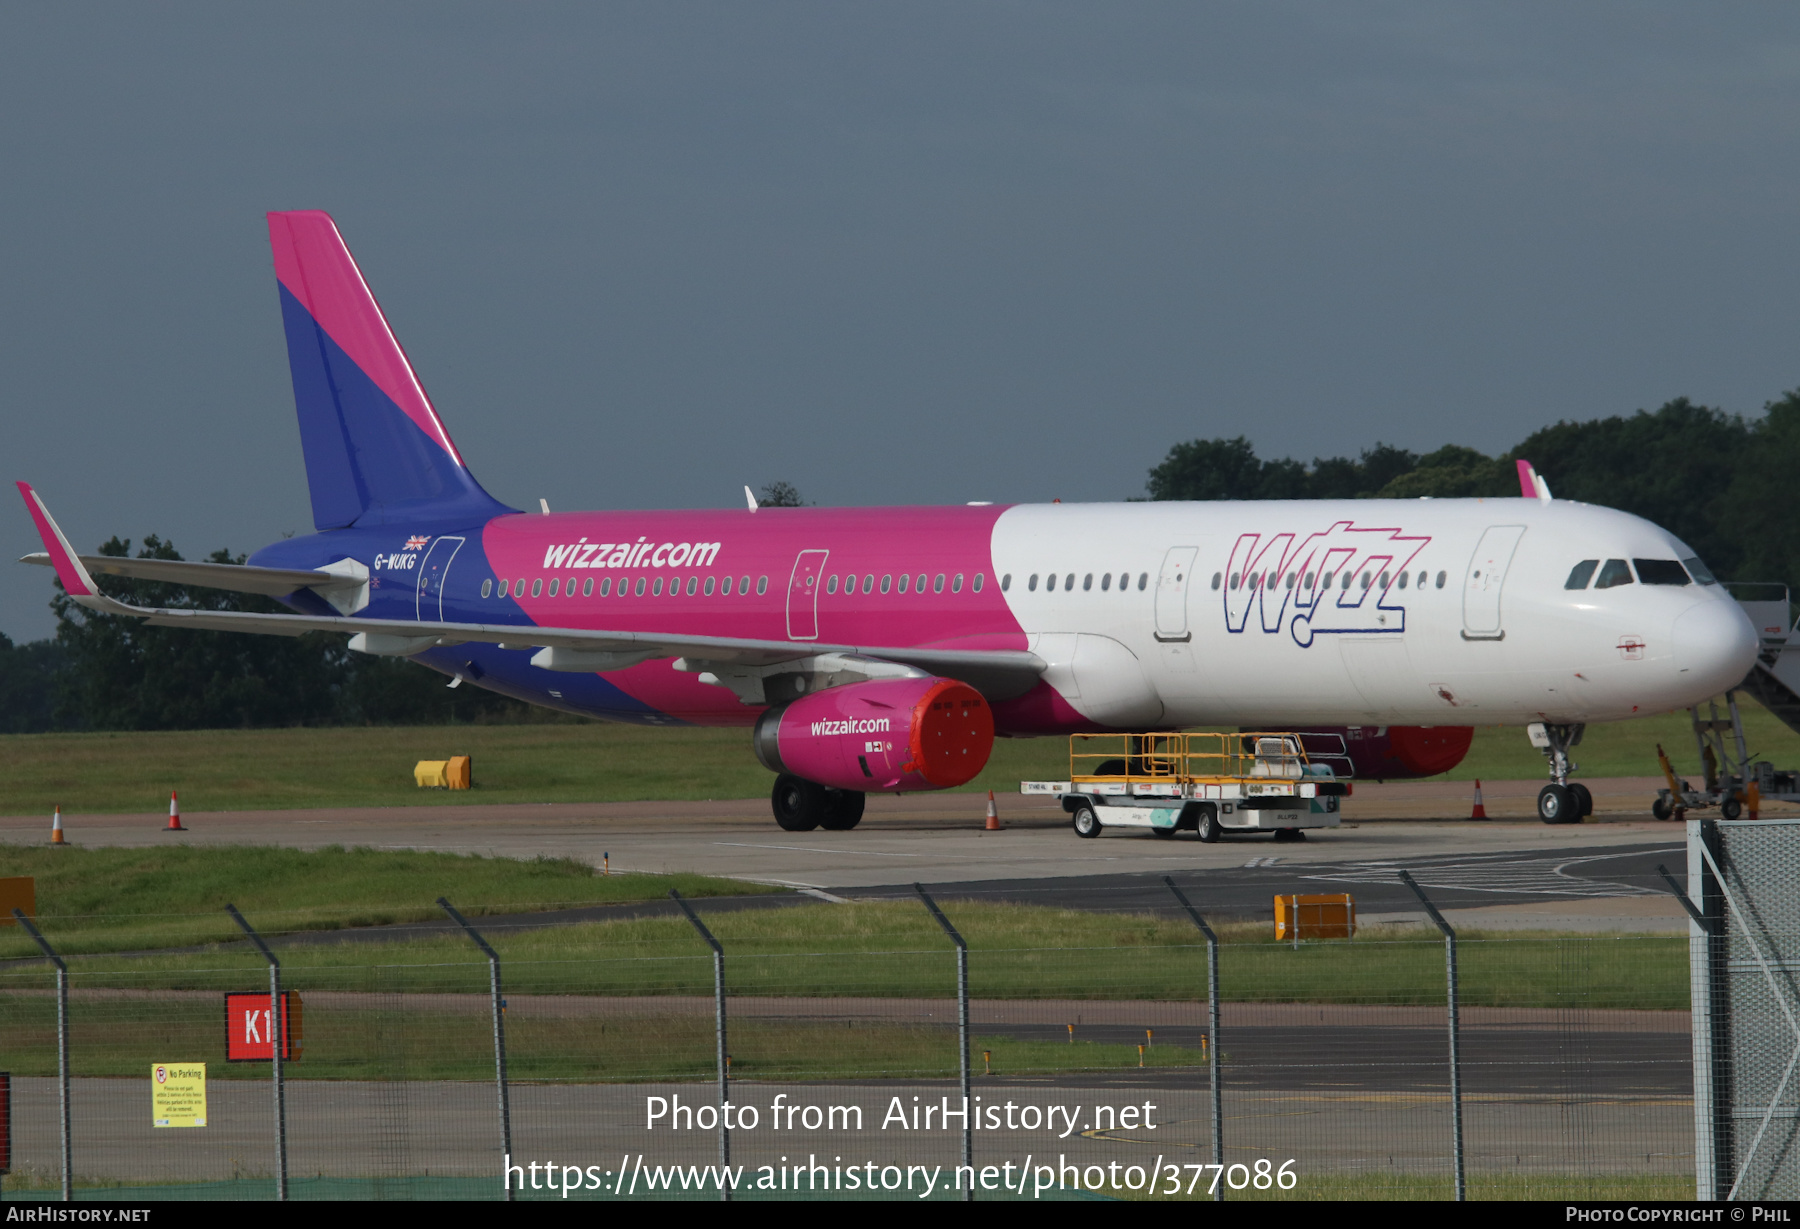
(1216, 578)
(1106, 583)
(1050, 583)
(537, 587)
(937, 584)
(1345, 579)
(1700, 572)
(1614, 573)
(519, 587)
(638, 589)
(979, 577)
(1384, 580)
(1326, 582)
(1069, 581)
(1291, 579)
(956, 583)
(725, 587)
(693, 585)
(762, 585)
(606, 586)
(1005, 583)
(487, 586)
(656, 587)
(709, 586)
(1087, 582)
(1581, 573)
(831, 584)
(906, 581)
(920, 586)
(1032, 583)
(1365, 580)
(1660, 572)
(587, 587)
(884, 583)
(1422, 581)
(1308, 580)
(869, 583)
(569, 586)
(1143, 580)
(1441, 578)
(744, 585)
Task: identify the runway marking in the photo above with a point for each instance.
(1499, 873)
(1262, 862)
(872, 853)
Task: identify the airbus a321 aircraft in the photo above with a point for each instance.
(883, 649)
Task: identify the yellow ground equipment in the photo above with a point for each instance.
(432, 774)
(1207, 783)
(1315, 917)
(20, 894)
(458, 772)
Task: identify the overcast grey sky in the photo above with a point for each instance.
(908, 253)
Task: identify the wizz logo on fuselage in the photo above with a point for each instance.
(1342, 580)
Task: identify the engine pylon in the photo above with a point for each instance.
(1480, 811)
(174, 815)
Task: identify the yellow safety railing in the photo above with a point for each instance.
(1176, 758)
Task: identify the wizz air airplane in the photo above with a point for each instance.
(883, 649)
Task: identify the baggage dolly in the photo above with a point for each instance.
(1208, 784)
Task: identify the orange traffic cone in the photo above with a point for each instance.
(56, 832)
(1753, 801)
(1480, 811)
(993, 816)
(174, 815)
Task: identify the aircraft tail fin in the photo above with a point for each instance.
(376, 451)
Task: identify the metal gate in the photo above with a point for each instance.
(1744, 952)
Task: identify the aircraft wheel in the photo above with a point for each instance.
(1208, 826)
(799, 804)
(1662, 808)
(843, 809)
(1557, 805)
(1731, 808)
(1085, 822)
(1584, 797)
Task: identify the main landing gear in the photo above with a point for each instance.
(801, 805)
(1562, 801)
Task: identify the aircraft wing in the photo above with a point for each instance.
(1003, 672)
(271, 582)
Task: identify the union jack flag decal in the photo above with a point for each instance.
(418, 541)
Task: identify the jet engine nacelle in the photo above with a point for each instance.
(885, 735)
(1389, 752)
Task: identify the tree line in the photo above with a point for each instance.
(1712, 478)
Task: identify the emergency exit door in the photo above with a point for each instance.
(803, 595)
(1487, 575)
(1171, 593)
(429, 605)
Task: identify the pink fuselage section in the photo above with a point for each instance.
(802, 575)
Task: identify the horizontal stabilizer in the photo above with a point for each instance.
(236, 578)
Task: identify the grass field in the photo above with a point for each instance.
(108, 900)
(595, 762)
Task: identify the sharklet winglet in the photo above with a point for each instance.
(69, 568)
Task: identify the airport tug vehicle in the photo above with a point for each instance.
(1206, 783)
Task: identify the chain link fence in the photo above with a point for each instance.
(591, 1061)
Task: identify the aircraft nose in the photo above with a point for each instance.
(1715, 646)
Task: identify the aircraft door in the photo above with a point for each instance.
(1171, 594)
(429, 604)
(1481, 587)
(803, 595)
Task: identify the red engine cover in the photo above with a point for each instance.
(1390, 752)
(884, 735)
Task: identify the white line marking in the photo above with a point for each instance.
(872, 853)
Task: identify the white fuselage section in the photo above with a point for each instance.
(1407, 612)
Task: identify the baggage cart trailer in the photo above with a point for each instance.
(1208, 784)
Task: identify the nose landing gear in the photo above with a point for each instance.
(1562, 801)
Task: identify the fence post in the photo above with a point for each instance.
(499, 1010)
(62, 1050)
(1456, 1124)
(1212, 1034)
(962, 1032)
(277, 1041)
(719, 1015)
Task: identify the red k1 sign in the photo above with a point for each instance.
(249, 1036)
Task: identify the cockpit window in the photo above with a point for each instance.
(1700, 572)
(1581, 574)
(1614, 573)
(1661, 572)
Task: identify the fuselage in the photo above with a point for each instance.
(1268, 614)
